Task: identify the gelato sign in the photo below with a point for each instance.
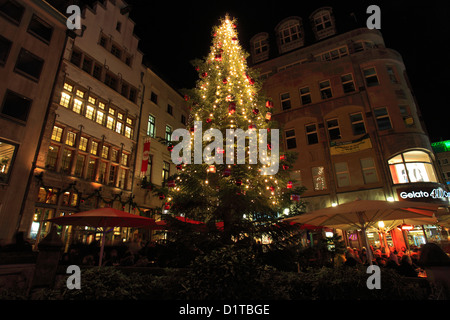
(424, 194)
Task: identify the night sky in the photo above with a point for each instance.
(174, 33)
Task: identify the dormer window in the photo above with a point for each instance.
(260, 47)
(323, 23)
(289, 34)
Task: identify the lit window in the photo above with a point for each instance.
(412, 166)
(83, 144)
(52, 156)
(101, 105)
(124, 161)
(111, 111)
(165, 171)
(77, 104)
(65, 100)
(94, 148)
(100, 117)
(318, 174)
(92, 100)
(168, 134)
(90, 112)
(7, 155)
(128, 132)
(80, 94)
(57, 134)
(68, 87)
(151, 126)
(71, 138)
(119, 126)
(110, 122)
(105, 152)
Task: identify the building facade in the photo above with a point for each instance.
(32, 39)
(87, 156)
(347, 109)
(442, 151)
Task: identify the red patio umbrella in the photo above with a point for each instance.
(105, 218)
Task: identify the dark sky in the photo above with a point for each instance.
(173, 33)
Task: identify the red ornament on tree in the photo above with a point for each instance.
(227, 172)
(208, 120)
(218, 57)
(232, 108)
(255, 111)
(171, 183)
(161, 196)
(238, 182)
(289, 185)
(170, 148)
(204, 74)
(225, 81)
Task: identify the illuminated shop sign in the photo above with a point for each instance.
(426, 194)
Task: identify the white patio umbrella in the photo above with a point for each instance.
(363, 214)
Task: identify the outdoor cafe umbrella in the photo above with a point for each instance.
(104, 218)
(363, 214)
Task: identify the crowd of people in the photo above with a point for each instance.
(428, 261)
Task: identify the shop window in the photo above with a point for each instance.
(40, 29)
(290, 139)
(16, 106)
(319, 182)
(40, 227)
(412, 166)
(52, 157)
(311, 134)
(7, 154)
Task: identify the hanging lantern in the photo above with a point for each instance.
(252, 127)
(167, 206)
(212, 168)
(269, 104)
(272, 188)
(268, 116)
(225, 81)
(218, 57)
(282, 157)
(161, 196)
(289, 185)
(204, 74)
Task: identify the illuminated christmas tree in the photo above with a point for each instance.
(219, 180)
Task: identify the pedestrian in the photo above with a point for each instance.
(437, 267)
(406, 268)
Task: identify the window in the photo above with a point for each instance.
(391, 73)
(128, 132)
(383, 120)
(169, 109)
(102, 172)
(100, 117)
(407, 118)
(124, 160)
(111, 81)
(318, 174)
(124, 90)
(66, 160)
(123, 178)
(296, 176)
(16, 106)
(260, 46)
(133, 94)
(71, 138)
(322, 20)
(65, 99)
(94, 147)
(370, 74)
(79, 165)
(115, 155)
(290, 139)
(148, 174)
(90, 112)
(412, 166)
(333, 129)
(40, 29)
(183, 119)
(52, 157)
(118, 26)
(105, 152)
(29, 64)
(115, 50)
(154, 98)
(332, 54)
(325, 89)
(57, 134)
(151, 126)
(91, 169)
(76, 57)
(103, 41)
(5, 47)
(311, 134)
(7, 154)
(112, 175)
(110, 122)
(87, 65)
(83, 144)
(97, 72)
(168, 134)
(305, 95)
(369, 171)
(119, 126)
(68, 87)
(342, 174)
(347, 83)
(165, 171)
(77, 105)
(357, 123)
(290, 32)
(12, 10)
(285, 101)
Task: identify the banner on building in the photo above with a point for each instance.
(360, 144)
(145, 156)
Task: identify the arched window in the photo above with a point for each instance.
(289, 34)
(322, 21)
(412, 166)
(260, 47)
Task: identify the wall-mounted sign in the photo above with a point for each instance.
(362, 143)
(424, 194)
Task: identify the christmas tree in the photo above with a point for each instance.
(222, 182)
